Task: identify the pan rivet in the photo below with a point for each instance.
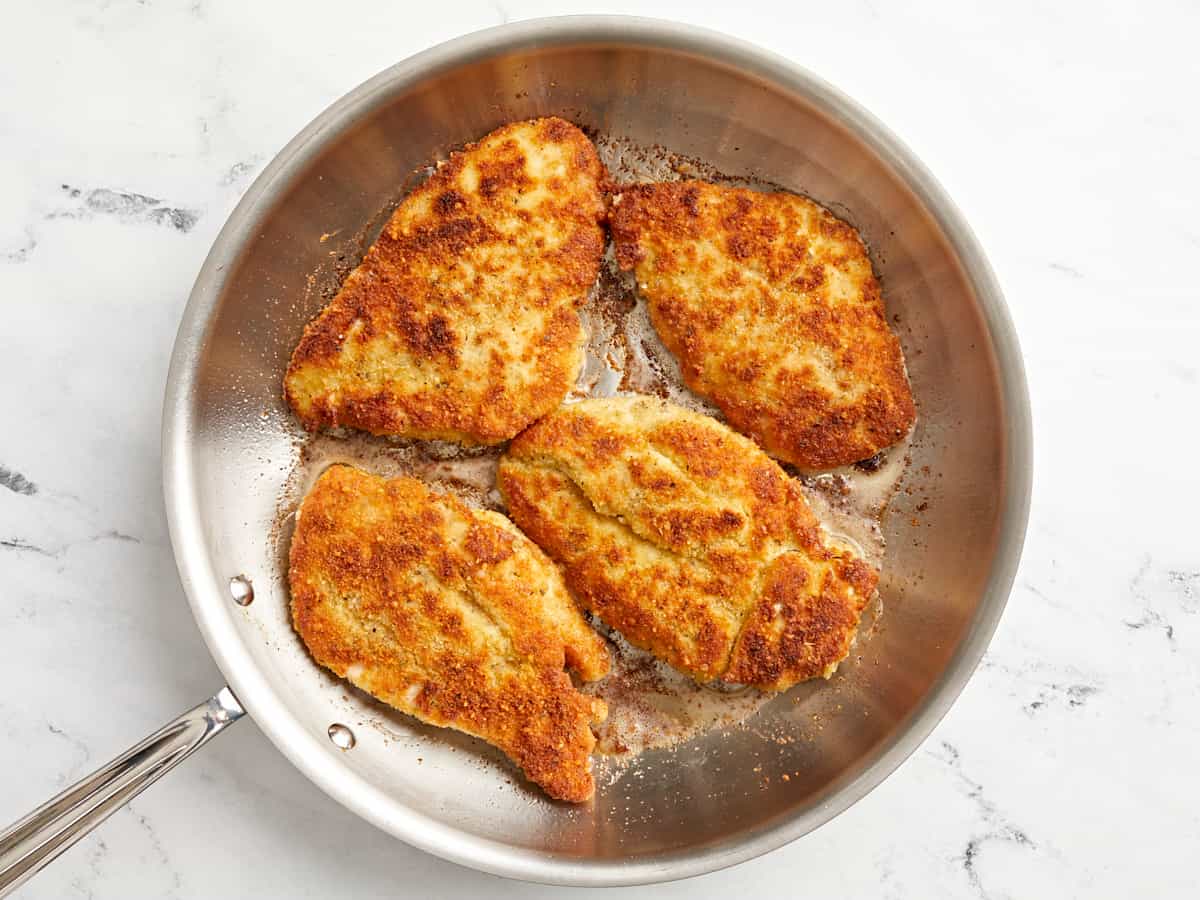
(341, 736)
(242, 590)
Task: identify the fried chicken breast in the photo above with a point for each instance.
(460, 323)
(772, 308)
(688, 539)
(449, 614)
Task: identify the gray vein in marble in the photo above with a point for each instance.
(1151, 586)
(113, 535)
(1072, 695)
(1042, 595)
(887, 882)
(1186, 583)
(54, 552)
(1153, 620)
(1071, 692)
(98, 853)
(238, 172)
(125, 206)
(224, 105)
(21, 254)
(1066, 270)
(1037, 592)
(996, 828)
(505, 18)
(176, 880)
(80, 746)
(24, 546)
(1135, 583)
(16, 482)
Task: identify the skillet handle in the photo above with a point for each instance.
(30, 844)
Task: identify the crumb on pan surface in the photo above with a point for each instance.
(449, 614)
(688, 539)
(770, 304)
(461, 321)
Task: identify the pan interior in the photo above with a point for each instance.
(232, 446)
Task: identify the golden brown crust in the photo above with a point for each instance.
(460, 323)
(770, 303)
(449, 614)
(688, 539)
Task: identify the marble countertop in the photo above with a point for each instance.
(1067, 134)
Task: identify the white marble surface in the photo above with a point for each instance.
(1067, 133)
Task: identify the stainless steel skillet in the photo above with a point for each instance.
(228, 446)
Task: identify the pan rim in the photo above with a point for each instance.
(259, 697)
